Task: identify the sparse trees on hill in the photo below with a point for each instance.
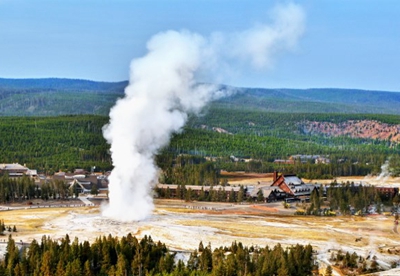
(353, 264)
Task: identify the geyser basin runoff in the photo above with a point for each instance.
(171, 81)
(182, 228)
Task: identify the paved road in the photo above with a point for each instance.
(86, 201)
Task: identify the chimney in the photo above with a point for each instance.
(275, 176)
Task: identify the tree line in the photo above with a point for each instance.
(212, 195)
(129, 256)
(348, 198)
(25, 188)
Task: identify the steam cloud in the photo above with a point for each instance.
(385, 172)
(168, 83)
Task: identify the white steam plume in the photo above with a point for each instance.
(165, 85)
(385, 172)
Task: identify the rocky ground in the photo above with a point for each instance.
(355, 128)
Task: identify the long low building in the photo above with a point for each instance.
(199, 188)
(16, 170)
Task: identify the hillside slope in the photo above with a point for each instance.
(53, 97)
(49, 97)
(321, 100)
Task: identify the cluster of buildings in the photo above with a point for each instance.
(303, 158)
(81, 180)
(281, 187)
(288, 187)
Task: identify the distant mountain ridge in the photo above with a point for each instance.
(54, 96)
(62, 84)
(317, 100)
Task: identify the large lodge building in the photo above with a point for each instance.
(281, 187)
(287, 187)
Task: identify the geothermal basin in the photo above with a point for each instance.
(182, 225)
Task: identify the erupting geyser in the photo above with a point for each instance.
(167, 84)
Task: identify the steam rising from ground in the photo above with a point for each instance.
(166, 85)
(385, 173)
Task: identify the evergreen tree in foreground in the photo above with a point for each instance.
(129, 256)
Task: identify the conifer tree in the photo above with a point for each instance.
(87, 271)
(241, 195)
(45, 268)
(328, 271)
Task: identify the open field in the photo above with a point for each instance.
(182, 225)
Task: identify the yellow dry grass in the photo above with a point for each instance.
(29, 221)
(177, 210)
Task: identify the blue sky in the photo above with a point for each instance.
(347, 44)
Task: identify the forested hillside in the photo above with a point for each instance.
(321, 100)
(51, 143)
(263, 137)
(248, 131)
(67, 142)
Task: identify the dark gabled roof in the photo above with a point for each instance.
(87, 186)
(292, 179)
(304, 189)
(266, 190)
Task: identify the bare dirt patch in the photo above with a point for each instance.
(243, 177)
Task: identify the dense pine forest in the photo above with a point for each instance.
(52, 143)
(129, 256)
(49, 144)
